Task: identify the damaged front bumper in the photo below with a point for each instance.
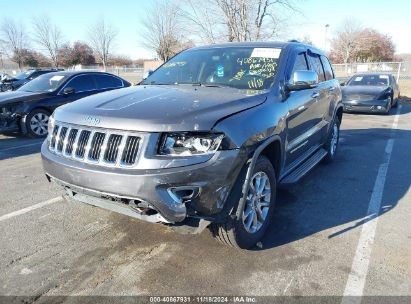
(9, 122)
(169, 195)
(367, 106)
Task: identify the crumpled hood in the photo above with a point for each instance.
(17, 96)
(369, 91)
(158, 108)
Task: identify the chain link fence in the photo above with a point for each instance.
(131, 74)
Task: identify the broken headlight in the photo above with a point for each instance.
(189, 144)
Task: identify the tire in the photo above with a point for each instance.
(331, 146)
(246, 232)
(389, 106)
(394, 102)
(36, 123)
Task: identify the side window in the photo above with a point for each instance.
(300, 64)
(108, 82)
(327, 68)
(82, 83)
(316, 66)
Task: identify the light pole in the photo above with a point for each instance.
(325, 37)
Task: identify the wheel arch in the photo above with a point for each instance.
(266, 148)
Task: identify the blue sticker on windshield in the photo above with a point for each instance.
(220, 71)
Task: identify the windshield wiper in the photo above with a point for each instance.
(210, 85)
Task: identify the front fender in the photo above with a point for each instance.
(250, 128)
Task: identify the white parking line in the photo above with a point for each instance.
(22, 146)
(31, 208)
(356, 280)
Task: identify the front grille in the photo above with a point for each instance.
(360, 97)
(97, 146)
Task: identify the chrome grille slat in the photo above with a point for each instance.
(95, 145)
(88, 145)
(60, 138)
(71, 139)
(53, 137)
(112, 151)
(82, 143)
(65, 140)
(130, 150)
(104, 147)
(121, 149)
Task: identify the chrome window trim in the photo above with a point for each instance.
(96, 89)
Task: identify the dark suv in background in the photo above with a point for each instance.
(205, 140)
(13, 83)
(28, 108)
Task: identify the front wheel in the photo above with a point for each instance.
(36, 123)
(246, 231)
(394, 102)
(333, 139)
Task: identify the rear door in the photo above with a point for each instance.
(300, 121)
(323, 94)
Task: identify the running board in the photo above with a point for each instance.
(304, 168)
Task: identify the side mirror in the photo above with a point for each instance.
(342, 84)
(69, 91)
(303, 80)
(147, 74)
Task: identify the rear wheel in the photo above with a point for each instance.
(36, 123)
(333, 139)
(249, 229)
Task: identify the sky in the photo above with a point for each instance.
(74, 17)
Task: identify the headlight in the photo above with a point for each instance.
(50, 125)
(189, 144)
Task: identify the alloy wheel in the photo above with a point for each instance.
(257, 203)
(38, 123)
(334, 139)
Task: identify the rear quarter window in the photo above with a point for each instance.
(315, 65)
(329, 74)
(107, 82)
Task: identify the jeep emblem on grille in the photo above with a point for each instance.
(92, 120)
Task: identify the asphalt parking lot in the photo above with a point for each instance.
(344, 230)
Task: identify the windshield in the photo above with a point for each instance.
(44, 83)
(370, 80)
(237, 67)
(23, 75)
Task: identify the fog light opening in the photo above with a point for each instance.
(183, 195)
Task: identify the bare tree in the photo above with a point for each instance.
(236, 20)
(346, 41)
(162, 30)
(14, 40)
(49, 37)
(101, 38)
(203, 17)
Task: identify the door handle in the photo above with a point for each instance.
(315, 95)
(332, 89)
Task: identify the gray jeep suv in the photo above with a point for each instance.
(205, 140)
